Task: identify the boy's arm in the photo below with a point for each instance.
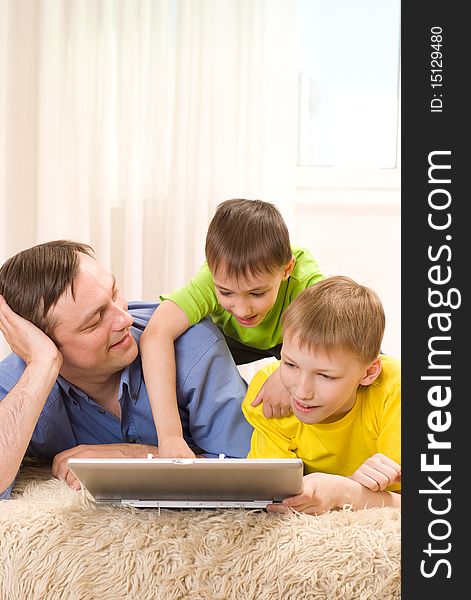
(270, 438)
(167, 323)
(378, 472)
(382, 470)
(323, 492)
(276, 400)
(21, 407)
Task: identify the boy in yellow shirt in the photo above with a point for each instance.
(251, 275)
(345, 398)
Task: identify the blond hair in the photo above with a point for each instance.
(247, 237)
(337, 313)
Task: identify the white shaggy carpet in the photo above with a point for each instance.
(57, 544)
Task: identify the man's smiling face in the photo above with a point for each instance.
(92, 329)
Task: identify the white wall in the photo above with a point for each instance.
(357, 233)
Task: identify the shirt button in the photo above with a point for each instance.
(101, 411)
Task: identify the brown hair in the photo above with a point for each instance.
(33, 280)
(247, 237)
(337, 312)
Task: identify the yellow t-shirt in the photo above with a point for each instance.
(372, 425)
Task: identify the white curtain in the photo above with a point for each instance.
(124, 123)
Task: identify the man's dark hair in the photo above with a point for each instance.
(33, 280)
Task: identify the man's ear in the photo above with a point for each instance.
(372, 372)
(288, 268)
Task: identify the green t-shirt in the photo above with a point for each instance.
(198, 299)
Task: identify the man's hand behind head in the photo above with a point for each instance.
(26, 340)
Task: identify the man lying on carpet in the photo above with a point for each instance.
(74, 386)
(345, 397)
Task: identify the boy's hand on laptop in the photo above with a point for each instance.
(321, 492)
(377, 472)
(275, 398)
(60, 466)
(174, 447)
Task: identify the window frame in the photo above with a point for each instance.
(354, 178)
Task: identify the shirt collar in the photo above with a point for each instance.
(131, 376)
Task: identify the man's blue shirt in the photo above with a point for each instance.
(210, 391)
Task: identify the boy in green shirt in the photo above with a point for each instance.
(251, 275)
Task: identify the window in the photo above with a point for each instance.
(348, 58)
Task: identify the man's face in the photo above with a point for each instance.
(322, 386)
(93, 330)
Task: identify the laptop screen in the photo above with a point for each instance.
(185, 482)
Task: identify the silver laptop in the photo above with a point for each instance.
(190, 482)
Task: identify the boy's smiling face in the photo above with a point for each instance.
(322, 385)
(249, 299)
